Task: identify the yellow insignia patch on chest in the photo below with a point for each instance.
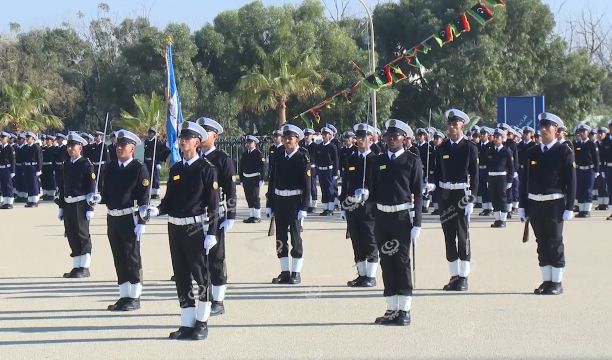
(215, 185)
(351, 168)
(578, 149)
(308, 172)
(445, 157)
(382, 167)
(93, 176)
(176, 177)
(145, 182)
(533, 162)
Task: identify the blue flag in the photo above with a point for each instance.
(174, 115)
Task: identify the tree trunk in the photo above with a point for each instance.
(282, 111)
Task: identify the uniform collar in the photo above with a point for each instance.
(191, 161)
(484, 142)
(497, 148)
(397, 153)
(455, 142)
(548, 145)
(75, 160)
(209, 151)
(126, 163)
(365, 153)
(327, 143)
(293, 153)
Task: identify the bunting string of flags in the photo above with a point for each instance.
(407, 63)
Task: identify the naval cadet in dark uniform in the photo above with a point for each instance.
(32, 169)
(309, 144)
(126, 181)
(327, 170)
(500, 170)
(47, 178)
(358, 209)
(101, 156)
(547, 198)
(192, 204)
(112, 147)
(603, 194)
(276, 147)
(397, 179)
(61, 154)
(7, 171)
(251, 177)
(456, 164)
(76, 190)
(586, 154)
(606, 160)
(288, 198)
(484, 147)
(161, 154)
(227, 210)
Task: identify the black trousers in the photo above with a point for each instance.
(547, 224)
(149, 164)
(392, 232)
(454, 224)
(360, 224)
(483, 176)
(188, 260)
(216, 259)
(285, 213)
(251, 192)
(76, 227)
(313, 182)
(125, 248)
(497, 192)
(6, 183)
(47, 178)
(30, 180)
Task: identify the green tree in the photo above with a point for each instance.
(25, 108)
(150, 112)
(280, 78)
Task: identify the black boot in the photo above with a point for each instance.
(368, 282)
(509, 216)
(609, 217)
(485, 212)
(451, 284)
(390, 318)
(6, 206)
(295, 278)
(435, 212)
(587, 214)
(403, 318)
(543, 286)
(249, 220)
(478, 206)
(200, 332)
(581, 214)
(153, 197)
(461, 284)
(310, 210)
(425, 210)
(130, 305)
(217, 308)
(602, 207)
(31, 204)
(71, 274)
(387, 314)
(256, 220)
(555, 288)
(498, 224)
(355, 283)
(183, 332)
(118, 305)
(83, 273)
(283, 278)
(172, 278)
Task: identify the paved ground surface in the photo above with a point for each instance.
(45, 316)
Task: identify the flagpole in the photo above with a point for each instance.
(372, 60)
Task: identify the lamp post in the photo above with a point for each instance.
(372, 60)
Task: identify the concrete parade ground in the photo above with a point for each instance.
(44, 316)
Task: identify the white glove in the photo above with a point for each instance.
(38, 173)
(268, 212)
(12, 175)
(568, 215)
(364, 194)
(603, 174)
(415, 233)
(522, 215)
(209, 242)
(158, 166)
(60, 214)
(301, 215)
(509, 186)
(469, 209)
(430, 187)
(139, 230)
(515, 174)
(94, 199)
(597, 174)
(342, 215)
(227, 224)
(89, 215)
(147, 211)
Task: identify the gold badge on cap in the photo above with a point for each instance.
(391, 123)
(451, 114)
(361, 127)
(121, 134)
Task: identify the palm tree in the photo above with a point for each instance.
(25, 108)
(150, 112)
(281, 76)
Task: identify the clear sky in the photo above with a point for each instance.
(33, 14)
